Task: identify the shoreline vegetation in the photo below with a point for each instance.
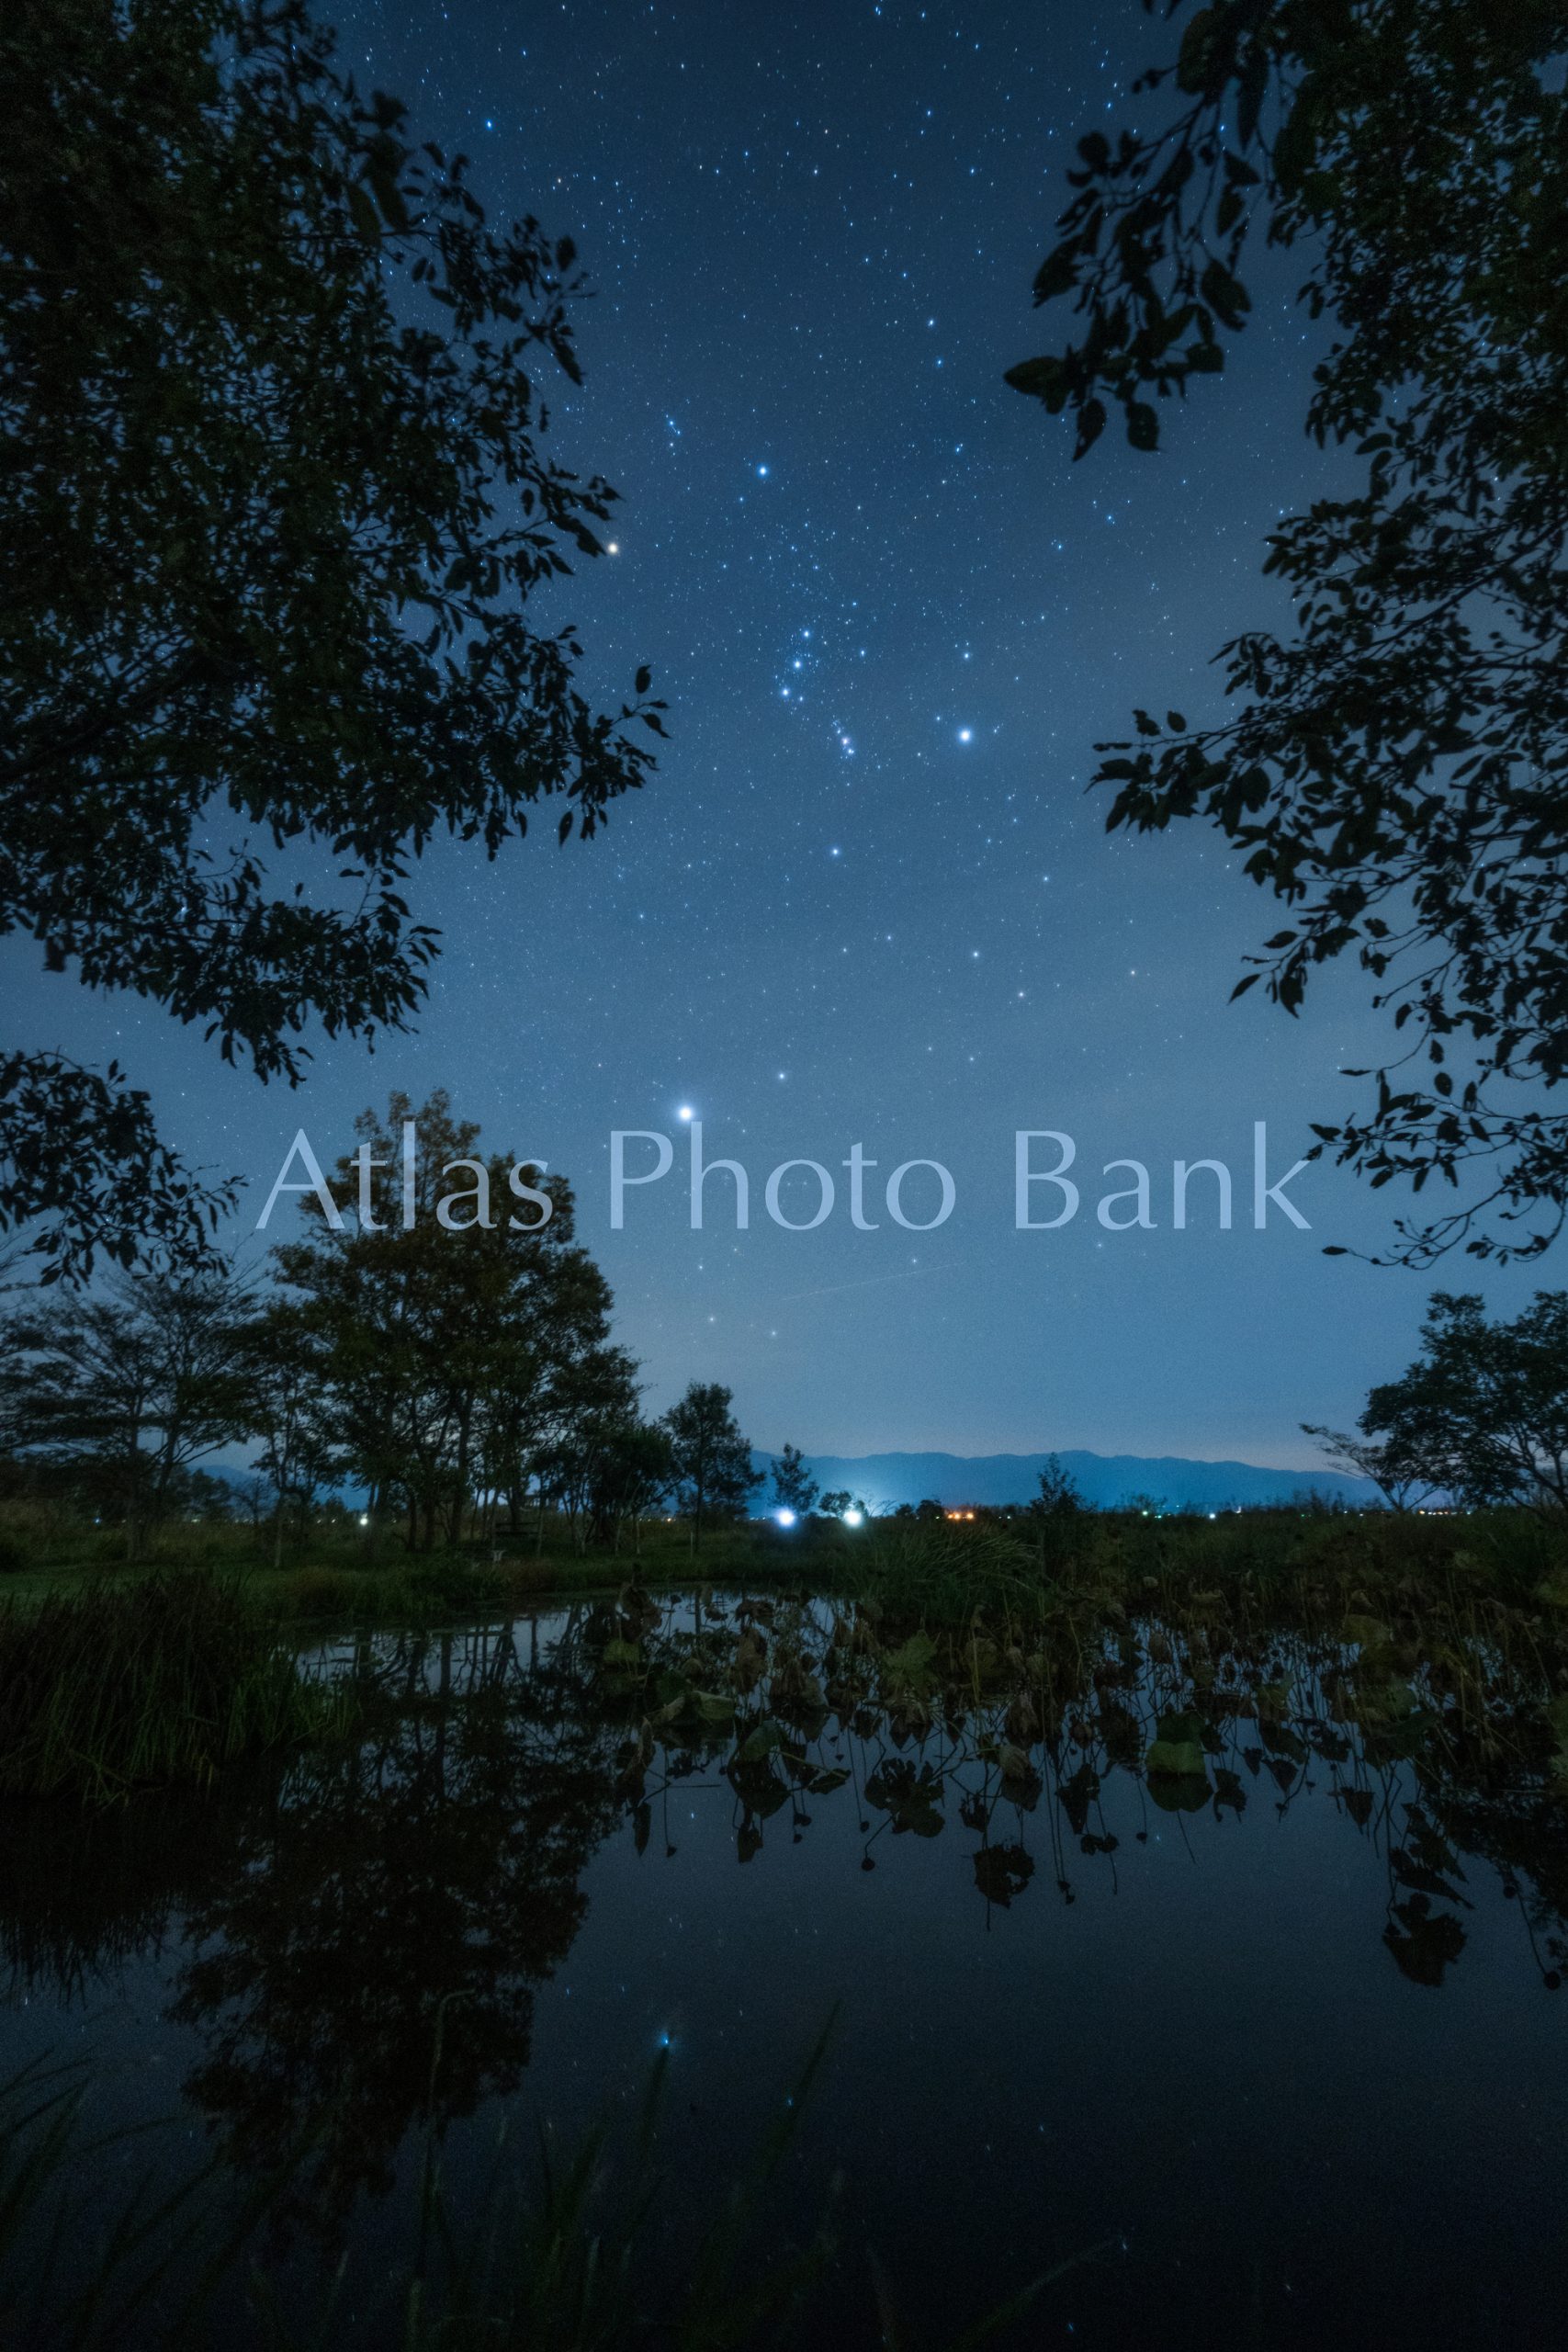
(1296, 1558)
(162, 1679)
(281, 491)
(465, 1378)
(115, 1678)
(967, 1676)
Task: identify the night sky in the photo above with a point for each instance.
(866, 897)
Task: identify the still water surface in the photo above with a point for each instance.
(1269, 2053)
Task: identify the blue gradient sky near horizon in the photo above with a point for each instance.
(865, 898)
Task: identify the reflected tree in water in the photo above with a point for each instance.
(331, 1919)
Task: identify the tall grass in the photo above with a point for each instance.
(945, 1574)
(560, 2262)
(573, 2253)
(1295, 1564)
(164, 1680)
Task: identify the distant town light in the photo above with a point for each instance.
(785, 1517)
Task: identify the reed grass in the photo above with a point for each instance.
(161, 1681)
(553, 2257)
(568, 2254)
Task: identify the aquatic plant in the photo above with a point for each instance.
(1437, 1713)
(1020, 1758)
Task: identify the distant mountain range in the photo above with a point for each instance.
(1108, 1480)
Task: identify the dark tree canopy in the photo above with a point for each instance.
(129, 1388)
(1396, 768)
(456, 1368)
(794, 1486)
(710, 1460)
(1483, 1412)
(453, 1354)
(273, 500)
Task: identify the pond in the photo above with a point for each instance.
(1210, 1980)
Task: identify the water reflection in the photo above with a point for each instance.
(324, 1918)
(311, 1926)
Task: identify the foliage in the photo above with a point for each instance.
(1483, 1411)
(634, 1472)
(457, 1353)
(1059, 1494)
(166, 1679)
(607, 1467)
(74, 1136)
(1057, 1507)
(1398, 1474)
(288, 1405)
(794, 1486)
(143, 1381)
(947, 1572)
(558, 2257)
(275, 503)
(437, 1334)
(710, 1459)
(1397, 772)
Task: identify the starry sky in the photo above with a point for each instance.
(866, 898)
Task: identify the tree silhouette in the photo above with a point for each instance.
(1484, 1410)
(1398, 1474)
(288, 1405)
(794, 1484)
(712, 1461)
(142, 1382)
(1396, 772)
(275, 500)
(452, 1355)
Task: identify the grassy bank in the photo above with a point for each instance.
(163, 1681)
(332, 1578)
(1244, 1569)
(1241, 1567)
